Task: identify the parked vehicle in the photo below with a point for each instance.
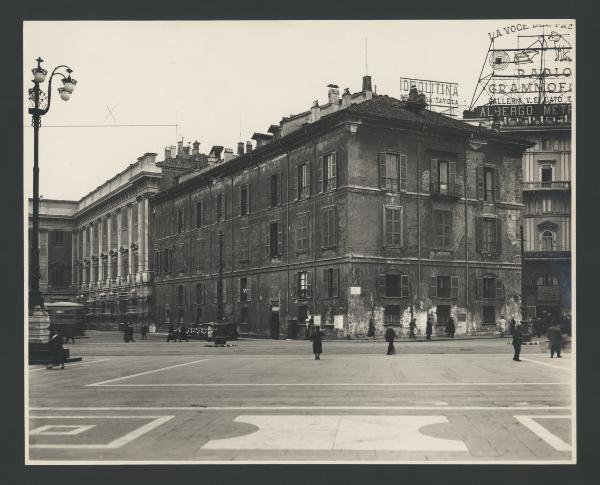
(67, 318)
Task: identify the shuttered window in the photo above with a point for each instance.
(331, 282)
(490, 287)
(244, 246)
(275, 189)
(302, 181)
(302, 233)
(393, 171)
(328, 227)
(443, 229)
(328, 172)
(199, 214)
(244, 200)
(392, 226)
(274, 239)
(488, 235)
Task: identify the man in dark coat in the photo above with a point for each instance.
(390, 335)
(513, 324)
(517, 341)
(317, 343)
(171, 334)
(144, 330)
(183, 333)
(412, 326)
(56, 350)
(429, 327)
(555, 337)
(450, 328)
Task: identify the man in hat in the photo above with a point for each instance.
(55, 349)
(517, 341)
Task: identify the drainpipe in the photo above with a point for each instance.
(287, 244)
(314, 225)
(466, 236)
(419, 148)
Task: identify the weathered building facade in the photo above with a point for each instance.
(363, 217)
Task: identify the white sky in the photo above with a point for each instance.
(206, 75)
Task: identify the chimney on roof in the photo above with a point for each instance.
(333, 94)
(173, 151)
(416, 102)
(240, 149)
(366, 87)
(248, 146)
(196, 148)
(228, 154)
(346, 98)
(315, 112)
(180, 147)
(167, 152)
(275, 130)
(186, 150)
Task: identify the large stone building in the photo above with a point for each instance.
(361, 213)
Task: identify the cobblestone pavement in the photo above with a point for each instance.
(455, 401)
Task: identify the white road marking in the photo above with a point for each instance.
(332, 384)
(117, 443)
(293, 408)
(52, 429)
(546, 364)
(543, 433)
(76, 364)
(301, 432)
(144, 373)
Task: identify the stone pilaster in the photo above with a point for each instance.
(100, 265)
(109, 275)
(119, 244)
(130, 275)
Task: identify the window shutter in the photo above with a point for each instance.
(214, 291)
(278, 178)
(498, 236)
(206, 210)
(479, 288)
(433, 175)
(237, 289)
(403, 172)
(478, 233)
(381, 284)
(335, 284)
(333, 226)
(307, 183)
(295, 284)
(279, 239)
(324, 283)
(480, 181)
(404, 285)
(499, 289)
(238, 204)
(454, 286)
(385, 231)
(333, 175)
(451, 177)
(309, 284)
(295, 183)
(248, 288)
(496, 184)
(267, 236)
(248, 198)
(321, 162)
(382, 171)
(433, 286)
(224, 291)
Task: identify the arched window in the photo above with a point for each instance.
(547, 279)
(547, 241)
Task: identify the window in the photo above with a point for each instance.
(180, 259)
(392, 171)
(274, 240)
(392, 226)
(489, 235)
(200, 294)
(392, 315)
(302, 181)
(328, 172)
(180, 222)
(490, 287)
(244, 290)
(489, 315)
(275, 189)
(244, 253)
(546, 206)
(302, 234)
(547, 279)
(199, 213)
(328, 226)
(330, 282)
(58, 237)
(443, 286)
(393, 285)
(443, 229)
(244, 200)
(547, 241)
(302, 284)
(220, 207)
(546, 144)
(488, 183)
(546, 174)
(181, 295)
(443, 177)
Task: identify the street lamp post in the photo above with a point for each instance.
(39, 106)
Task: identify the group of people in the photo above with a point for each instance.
(128, 332)
(178, 334)
(555, 338)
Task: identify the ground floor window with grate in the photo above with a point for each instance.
(489, 314)
(392, 315)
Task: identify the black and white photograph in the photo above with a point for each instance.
(299, 242)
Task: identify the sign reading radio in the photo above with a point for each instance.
(518, 110)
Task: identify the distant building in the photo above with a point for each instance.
(361, 215)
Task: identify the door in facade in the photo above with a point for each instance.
(275, 324)
(443, 313)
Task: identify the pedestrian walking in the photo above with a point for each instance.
(517, 341)
(171, 334)
(144, 330)
(450, 327)
(317, 343)
(390, 335)
(429, 327)
(184, 333)
(502, 325)
(307, 326)
(412, 326)
(55, 349)
(555, 337)
(513, 324)
(128, 335)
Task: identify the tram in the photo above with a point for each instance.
(67, 317)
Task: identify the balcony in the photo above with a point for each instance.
(558, 185)
(445, 190)
(558, 254)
